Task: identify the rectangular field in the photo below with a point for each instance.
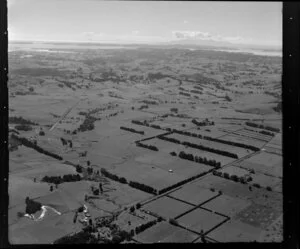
(243, 140)
(200, 219)
(165, 233)
(193, 194)
(168, 147)
(264, 162)
(227, 205)
(235, 231)
(232, 170)
(167, 207)
(233, 149)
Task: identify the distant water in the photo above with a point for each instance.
(249, 51)
(59, 48)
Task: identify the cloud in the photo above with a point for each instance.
(199, 35)
(185, 22)
(135, 32)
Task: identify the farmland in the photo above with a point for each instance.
(153, 164)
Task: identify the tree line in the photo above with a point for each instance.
(164, 190)
(132, 130)
(24, 141)
(150, 147)
(203, 123)
(191, 134)
(200, 147)
(262, 127)
(142, 187)
(20, 120)
(113, 176)
(59, 179)
(197, 159)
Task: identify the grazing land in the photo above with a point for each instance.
(143, 144)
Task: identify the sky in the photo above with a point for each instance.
(258, 23)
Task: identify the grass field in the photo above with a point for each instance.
(167, 207)
(200, 219)
(193, 194)
(165, 233)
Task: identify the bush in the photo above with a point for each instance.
(78, 168)
(269, 188)
(42, 133)
(138, 205)
(173, 222)
(132, 209)
(256, 185)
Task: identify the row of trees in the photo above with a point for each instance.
(24, 141)
(245, 146)
(182, 182)
(235, 178)
(198, 87)
(198, 159)
(196, 91)
(185, 94)
(200, 147)
(150, 147)
(59, 179)
(143, 187)
(267, 133)
(191, 134)
(132, 130)
(113, 176)
(262, 127)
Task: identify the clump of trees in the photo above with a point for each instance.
(20, 120)
(24, 141)
(32, 206)
(59, 179)
(88, 124)
(227, 98)
(23, 127)
(143, 107)
(145, 226)
(206, 122)
(113, 176)
(82, 237)
(79, 168)
(132, 130)
(150, 147)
